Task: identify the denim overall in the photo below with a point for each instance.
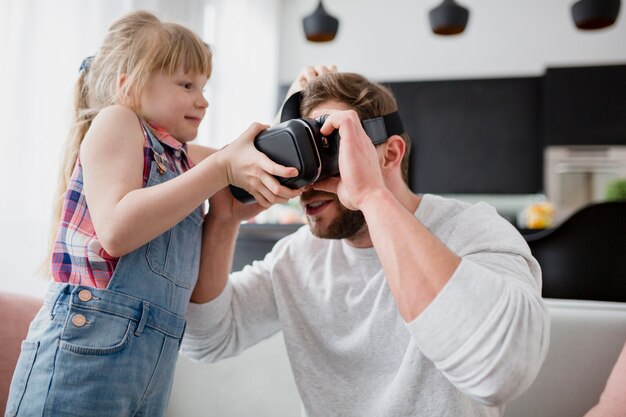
(112, 352)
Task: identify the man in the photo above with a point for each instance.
(390, 303)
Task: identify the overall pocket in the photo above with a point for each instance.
(175, 254)
(20, 376)
(92, 332)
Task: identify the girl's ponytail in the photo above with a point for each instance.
(83, 116)
(136, 46)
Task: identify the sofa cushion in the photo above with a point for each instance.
(585, 341)
(17, 311)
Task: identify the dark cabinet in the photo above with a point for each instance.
(487, 136)
(584, 105)
(254, 241)
(473, 136)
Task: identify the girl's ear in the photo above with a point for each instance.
(123, 93)
(393, 152)
(121, 81)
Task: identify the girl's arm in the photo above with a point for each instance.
(221, 226)
(126, 216)
(198, 153)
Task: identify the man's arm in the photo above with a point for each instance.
(477, 313)
(218, 247)
(228, 313)
(417, 265)
(221, 226)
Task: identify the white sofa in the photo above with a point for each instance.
(586, 339)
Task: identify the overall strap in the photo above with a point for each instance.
(157, 148)
(152, 140)
(379, 129)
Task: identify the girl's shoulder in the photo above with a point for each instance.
(117, 120)
(114, 128)
(119, 116)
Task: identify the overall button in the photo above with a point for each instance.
(79, 320)
(85, 295)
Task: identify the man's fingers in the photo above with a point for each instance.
(329, 185)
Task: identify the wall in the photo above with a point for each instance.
(42, 44)
(391, 40)
(388, 41)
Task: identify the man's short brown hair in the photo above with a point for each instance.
(368, 99)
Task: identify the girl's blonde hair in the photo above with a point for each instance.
(135, 46)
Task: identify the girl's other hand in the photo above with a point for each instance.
(248, 168)
(227, 209)
(308, 74)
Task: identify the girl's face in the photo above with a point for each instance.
(175, 102)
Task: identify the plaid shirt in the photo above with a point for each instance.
(78, 257)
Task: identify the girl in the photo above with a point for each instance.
(128, 246)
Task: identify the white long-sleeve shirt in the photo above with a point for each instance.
(479, 344)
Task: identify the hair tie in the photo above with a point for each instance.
(84, 66)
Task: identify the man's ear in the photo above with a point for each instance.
(394, 149)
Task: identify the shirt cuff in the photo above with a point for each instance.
(458, 311)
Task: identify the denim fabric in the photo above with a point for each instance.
(112, 352)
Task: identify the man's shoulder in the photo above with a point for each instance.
(435, 210)
(442, 205)
(449, 215)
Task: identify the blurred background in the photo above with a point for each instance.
(259, 48)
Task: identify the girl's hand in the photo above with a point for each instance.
(248, 168)
(308, 74)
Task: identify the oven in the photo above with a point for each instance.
(575, 176)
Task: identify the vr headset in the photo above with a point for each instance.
(297, 142)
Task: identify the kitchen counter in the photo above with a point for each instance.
(255, 240)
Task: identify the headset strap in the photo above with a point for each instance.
(379, 129)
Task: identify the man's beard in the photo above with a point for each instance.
(345, 225)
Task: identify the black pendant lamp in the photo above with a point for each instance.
(320, 26)
(595, 14)
(448, 18)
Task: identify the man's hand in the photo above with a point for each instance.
(225, 208)
(358, 161)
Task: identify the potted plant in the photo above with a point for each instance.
(616, 190)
